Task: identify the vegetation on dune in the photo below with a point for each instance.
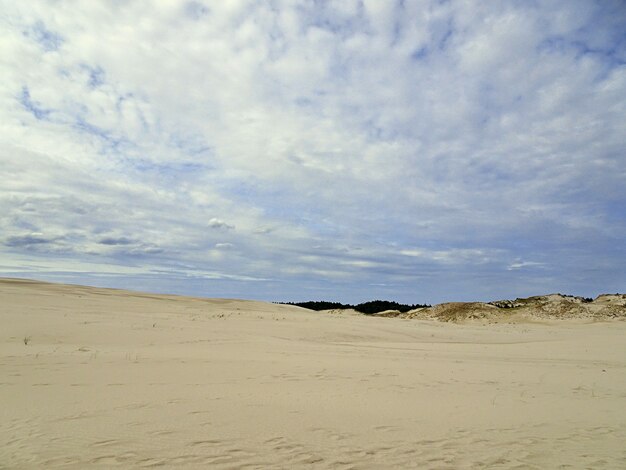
(371, 307)
(376, 306)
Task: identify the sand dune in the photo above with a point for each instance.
(109, 378)
(538, 308)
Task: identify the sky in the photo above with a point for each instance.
(417, 151)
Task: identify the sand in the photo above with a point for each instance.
(104, 378)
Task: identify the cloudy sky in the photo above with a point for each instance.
(417, 151)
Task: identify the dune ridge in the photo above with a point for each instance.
(541, 307)
(105, 378)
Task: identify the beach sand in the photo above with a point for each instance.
(100, 378)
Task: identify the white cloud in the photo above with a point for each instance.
(524, 264)
(224, 245)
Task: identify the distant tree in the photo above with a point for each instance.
(371, 307)
(318, 305)
(376, 306)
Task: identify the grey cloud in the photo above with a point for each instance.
(26, 240)
(116, 241)
(141, 250)
(219, 224)
(196, 10)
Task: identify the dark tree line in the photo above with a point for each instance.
(373, 306)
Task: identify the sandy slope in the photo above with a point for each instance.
(119, 379)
